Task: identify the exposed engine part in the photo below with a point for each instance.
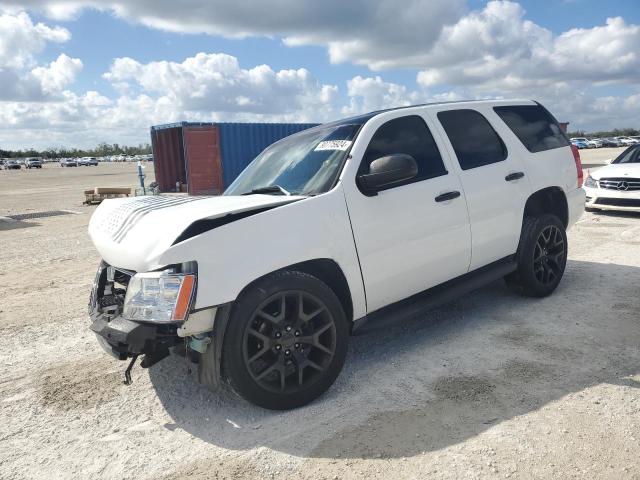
(127, 372)
(199, 343)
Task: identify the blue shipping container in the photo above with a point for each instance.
(234, 146)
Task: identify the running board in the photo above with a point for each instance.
(428, 299)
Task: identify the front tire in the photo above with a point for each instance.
(286, 342)
(541, 257)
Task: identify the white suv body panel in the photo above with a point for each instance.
(313, 228)
(406, 241)
(389, 246)
(495, 205)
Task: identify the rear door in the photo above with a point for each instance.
(493, 178)
(408, 238)
(546, 150)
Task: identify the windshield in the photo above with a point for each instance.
(630, 155)
(307, 163)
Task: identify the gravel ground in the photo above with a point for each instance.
(489, 386)
(599, 156)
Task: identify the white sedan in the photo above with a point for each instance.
(616, 186)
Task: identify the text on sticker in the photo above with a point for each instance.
(333, 145)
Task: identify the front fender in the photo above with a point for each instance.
(233, 255)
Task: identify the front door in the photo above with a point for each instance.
(409, 237)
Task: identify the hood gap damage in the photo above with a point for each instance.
(206, 224)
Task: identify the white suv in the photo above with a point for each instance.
(331, 231)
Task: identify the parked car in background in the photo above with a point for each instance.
(68, 162)
(610, 142)
(626, 141)
(12, 165)
(87, 161)
(616, 186)
(595, 143)
(33, 163)
(580, 144)
(582, 140)
(393, 211)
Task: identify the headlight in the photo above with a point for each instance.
(590, 182)
(159, 296)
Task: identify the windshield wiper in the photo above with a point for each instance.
(273, 189)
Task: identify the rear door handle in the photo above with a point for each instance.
(514, 176)
(447, 196)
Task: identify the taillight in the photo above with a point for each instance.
(576, 157)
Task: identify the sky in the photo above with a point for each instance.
(76, 73)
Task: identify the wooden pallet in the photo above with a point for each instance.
(98, 194)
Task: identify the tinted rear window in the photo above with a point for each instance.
(534, 126)
(473, 138)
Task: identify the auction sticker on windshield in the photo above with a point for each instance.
(333, 145)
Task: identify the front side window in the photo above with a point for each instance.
(534, 126)
(473, 138)
(406, 135)
(306, 163)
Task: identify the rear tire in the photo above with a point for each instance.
(541, 257)
(286, 342)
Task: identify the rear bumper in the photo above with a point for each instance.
(575, 204)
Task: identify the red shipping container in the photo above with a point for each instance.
(203, 165)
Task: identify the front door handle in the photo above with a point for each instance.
(514, 176)
(447, 196)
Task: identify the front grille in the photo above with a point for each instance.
(619, 202)
(623, 184)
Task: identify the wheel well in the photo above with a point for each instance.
(326, 270)
(330, 273)
(548, 200)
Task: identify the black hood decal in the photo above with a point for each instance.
(204, 225)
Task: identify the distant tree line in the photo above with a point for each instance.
(102, 150)
(617, 132)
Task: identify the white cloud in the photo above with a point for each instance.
(491, 52)
(372, 93)
(377, 33)
(21, 79)
(58, 74)
(21, 40)
(496, 49)
(215, 82)
(441, 37)
(205, 87)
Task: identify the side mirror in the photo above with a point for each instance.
(385, 172)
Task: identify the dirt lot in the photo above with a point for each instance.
(599, 156)
(489, 386)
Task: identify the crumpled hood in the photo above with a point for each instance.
(618, 170)
(133, 233)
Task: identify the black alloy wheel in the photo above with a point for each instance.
(541, 257)
(548, 255)
(289, 341)
(286, 340)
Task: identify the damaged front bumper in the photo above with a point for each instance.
(124, 338)
(119, 336)
(196, 338)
